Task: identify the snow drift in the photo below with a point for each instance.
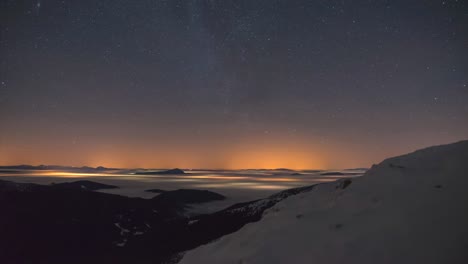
(408, 209)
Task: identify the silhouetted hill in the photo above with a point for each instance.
(186, 196)
(83, 185)
(173, 171)
(337, 173)
(331, 173)
(356, 169)
(64, 223)
(155, 190)
(54, 167)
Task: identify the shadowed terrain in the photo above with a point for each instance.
(69, 223)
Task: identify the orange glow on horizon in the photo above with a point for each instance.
(260, 153)
(257, 159)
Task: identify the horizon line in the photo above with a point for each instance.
(142, 168)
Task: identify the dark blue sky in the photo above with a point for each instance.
(230, 84)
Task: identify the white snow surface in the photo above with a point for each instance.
(408, 209)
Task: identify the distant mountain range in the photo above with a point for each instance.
(143, 171)
(55, 167)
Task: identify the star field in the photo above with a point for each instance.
(230, 84)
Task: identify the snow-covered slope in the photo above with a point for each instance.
(408, 209)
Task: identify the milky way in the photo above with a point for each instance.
(230, 84)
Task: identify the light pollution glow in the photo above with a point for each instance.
(263, 154)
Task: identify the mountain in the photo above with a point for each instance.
(155, 190)
(55, 167)
(186, 196)
(408, 209)
(356, 169)
(70, 223)
(64, 223)
(83, 185)
(172, 171)
(337, 173)
(332, 173)
(9, 186)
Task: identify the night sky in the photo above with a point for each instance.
(230, 84)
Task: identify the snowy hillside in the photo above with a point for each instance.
(408, 209)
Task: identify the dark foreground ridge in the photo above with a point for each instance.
(70, 223)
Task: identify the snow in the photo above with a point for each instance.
(123, 231)
(122, 244)
(191, 222)
(408, 209)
